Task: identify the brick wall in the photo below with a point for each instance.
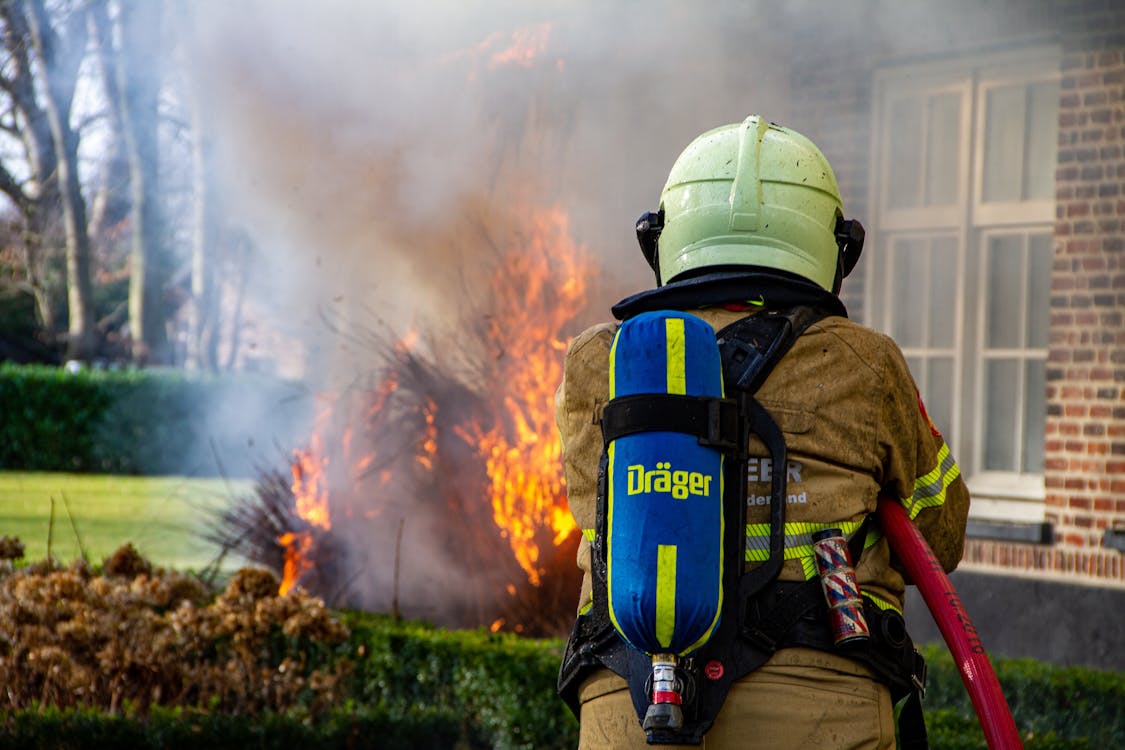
(1085, 440)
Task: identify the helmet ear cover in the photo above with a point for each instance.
(849, 238)
(649, 227)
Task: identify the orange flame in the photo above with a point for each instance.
(527, 43)
(523, 46)
(310, 494)
(532, 304)
(429, 438)
(297, 545)
(523, 452)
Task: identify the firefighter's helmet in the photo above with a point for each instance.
(751, 194)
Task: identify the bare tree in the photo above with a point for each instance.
(129, 43)
(203, 336)
(60, 51)
(33, 189)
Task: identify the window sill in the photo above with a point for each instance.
(1008, 531)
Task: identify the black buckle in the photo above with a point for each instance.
(722, 425)
(918, 674)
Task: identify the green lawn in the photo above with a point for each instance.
(162, 516)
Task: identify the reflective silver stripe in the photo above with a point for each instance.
(930, 488)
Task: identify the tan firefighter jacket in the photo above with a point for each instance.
(853, 423)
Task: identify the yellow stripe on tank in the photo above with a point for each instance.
(609, 537)
(675, 347)
(665, 593)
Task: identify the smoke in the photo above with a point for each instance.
(372, 151)
(381, 155)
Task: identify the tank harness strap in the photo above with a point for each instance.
(713, 420)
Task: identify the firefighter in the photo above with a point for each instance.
(751, 219)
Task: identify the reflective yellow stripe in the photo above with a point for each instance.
(665, 593)
(930, 488)
(880, 602)
(613, 369)
(798, 538)
(586, 607)
(798, 541)
(589, 534)
(609, 532)
(675, 346)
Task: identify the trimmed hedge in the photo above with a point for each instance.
(419, 686)
(501, 684)
(149, 422)
(168, 729)
(1051, 704)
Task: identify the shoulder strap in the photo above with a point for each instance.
(750, 348)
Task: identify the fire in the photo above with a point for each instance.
(535, 297)
(461, 429)
(297, 545)
(523, 47)
(527, 43)
(310, 482)
(310, 494)
(309, 485)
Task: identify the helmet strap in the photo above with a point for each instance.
(649, 227)
(849, 238)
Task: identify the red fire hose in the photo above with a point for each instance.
(949, 613)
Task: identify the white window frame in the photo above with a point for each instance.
(1005, 496)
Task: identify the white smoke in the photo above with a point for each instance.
(349, 133)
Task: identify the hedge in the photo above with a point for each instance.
(173, 729)
(1050, 703)
(415, 685)
(150, 422)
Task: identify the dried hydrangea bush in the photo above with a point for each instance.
(133, 636)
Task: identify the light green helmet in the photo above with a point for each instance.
(752, 194)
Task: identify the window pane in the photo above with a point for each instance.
(905, 154)
(1001, 384)
(907, 292)
(1042, 140)
(944, 141)
(1004, 118)
(939, 392)
(1035, 415)
(943, 290)
(1004, 290)
(1040, 252)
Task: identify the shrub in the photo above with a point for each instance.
(142, 421)
(142, 657)
(1048, 702)
(135, 637)
(503, 685)
(174, 729)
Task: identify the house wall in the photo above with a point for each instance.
(1085, 441)
(1084, 474)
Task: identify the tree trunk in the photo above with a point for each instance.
(203, 333)
(37, 195)
(138, 86)
(82, 334)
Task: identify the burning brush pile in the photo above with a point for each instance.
(134, 636)
(433, 486)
